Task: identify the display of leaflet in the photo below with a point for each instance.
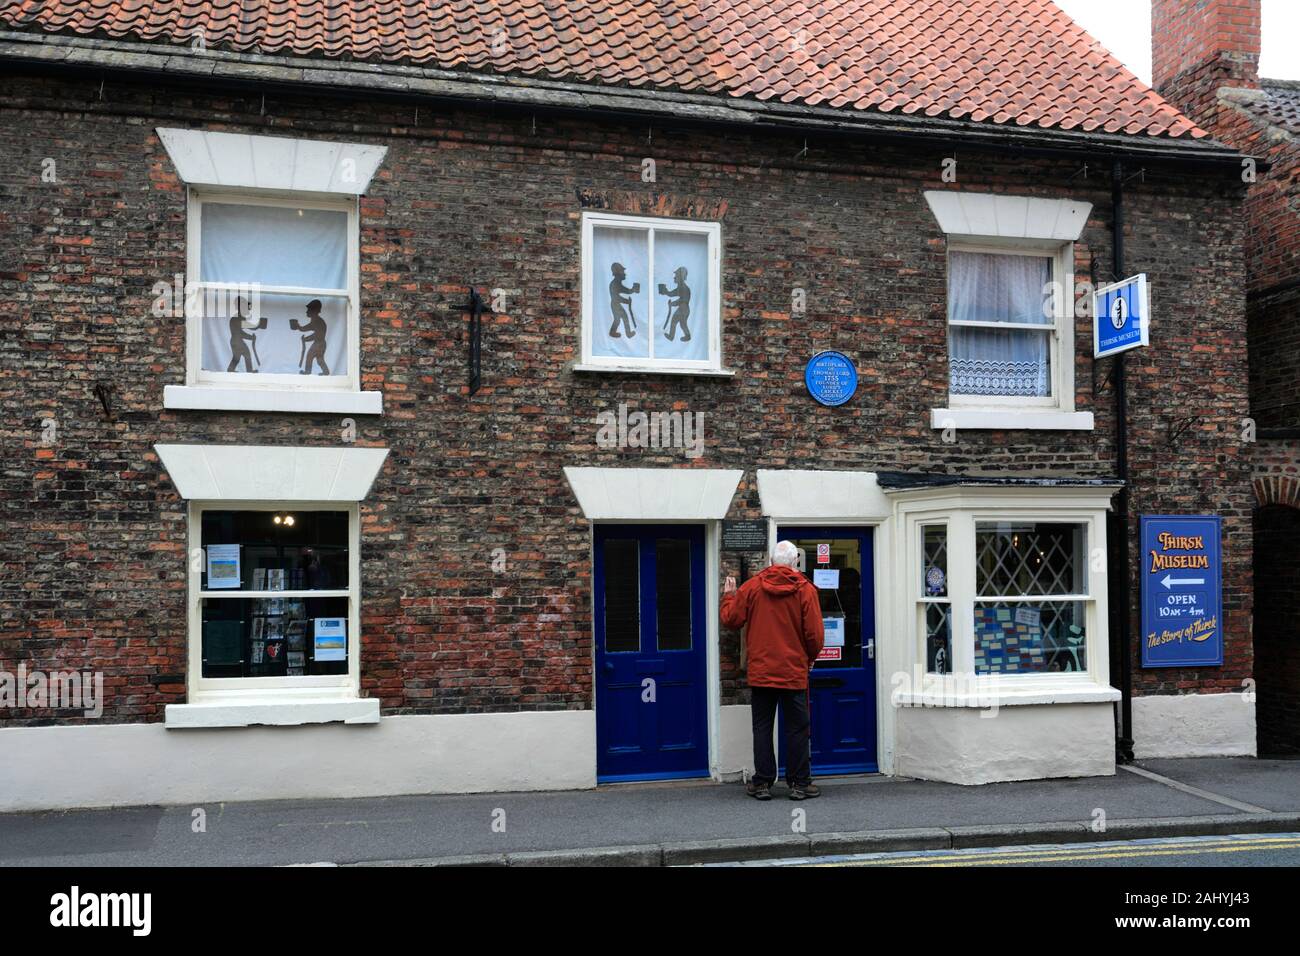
(223, 566)
(834, 628)
(330, 643)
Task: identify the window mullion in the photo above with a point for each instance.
(650, 292)
(961, 590)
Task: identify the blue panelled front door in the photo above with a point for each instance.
(842, 685)
(651, 702)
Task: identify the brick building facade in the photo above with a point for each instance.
(476, 602)
(1206, 60)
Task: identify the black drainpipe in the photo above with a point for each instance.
(1120, 589)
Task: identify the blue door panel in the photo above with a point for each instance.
(842, 694)
(658, 731)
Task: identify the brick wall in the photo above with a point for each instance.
(92, 551)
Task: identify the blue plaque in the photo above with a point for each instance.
(1182, 600)
(831, 378)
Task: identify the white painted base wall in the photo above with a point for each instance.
(1194, 725)
(735, 742)
(1023, 742)
(87, 765)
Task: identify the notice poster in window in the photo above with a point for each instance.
(827, 579)
(330, 641)
(223, 566)
(1030, 616)
(834, 628)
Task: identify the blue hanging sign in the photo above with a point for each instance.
(1182, 599)
(1121, 317)
(831, 378)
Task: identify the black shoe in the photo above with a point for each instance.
(759, 791)
(808, 791)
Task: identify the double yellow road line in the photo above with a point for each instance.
(1078, 854)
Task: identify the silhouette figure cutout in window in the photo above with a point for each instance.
(239, 335)
(315, 330)
(619, 297)
(679, 306)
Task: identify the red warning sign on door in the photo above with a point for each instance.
(823, 554)
(830, 654)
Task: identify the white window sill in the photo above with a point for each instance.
(1010, 419)
(264, 399)
(652, 370)
(1070, 692)
(276, 713)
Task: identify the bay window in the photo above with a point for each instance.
(1007, 585)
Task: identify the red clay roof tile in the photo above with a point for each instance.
(1025, 63)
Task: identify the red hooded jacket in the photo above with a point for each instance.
(781, 608)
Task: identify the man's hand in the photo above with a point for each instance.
(729, 586)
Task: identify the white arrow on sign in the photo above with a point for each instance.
(1169, 581)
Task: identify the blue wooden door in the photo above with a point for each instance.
(842, 685)
(651, 701)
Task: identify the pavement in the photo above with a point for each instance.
(669, 824)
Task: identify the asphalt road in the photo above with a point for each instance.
(1249, 850)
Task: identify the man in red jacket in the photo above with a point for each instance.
(782, 611)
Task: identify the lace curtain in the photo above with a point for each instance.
(991, 287)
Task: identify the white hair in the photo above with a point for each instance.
(785, 554)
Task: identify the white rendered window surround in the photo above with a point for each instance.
(236, 176)
(960, 512)
(271, 479)
(639, 312)
(979, 226)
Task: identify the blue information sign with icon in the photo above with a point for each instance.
(1121, 317)
(1182, 600)
(831, 378)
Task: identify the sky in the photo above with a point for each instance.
(1124, 27)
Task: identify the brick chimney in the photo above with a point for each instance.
(1199, 46)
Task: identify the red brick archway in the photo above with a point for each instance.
(1277, 490)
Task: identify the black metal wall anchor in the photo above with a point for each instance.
(104, 392)
(476, 309)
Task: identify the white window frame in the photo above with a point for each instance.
(1060, 333)
(195, 375)
(237, 690)
(962, 510)
(713, 231)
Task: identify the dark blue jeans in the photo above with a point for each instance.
(794, 705)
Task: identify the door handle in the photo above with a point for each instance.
(871, 649)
